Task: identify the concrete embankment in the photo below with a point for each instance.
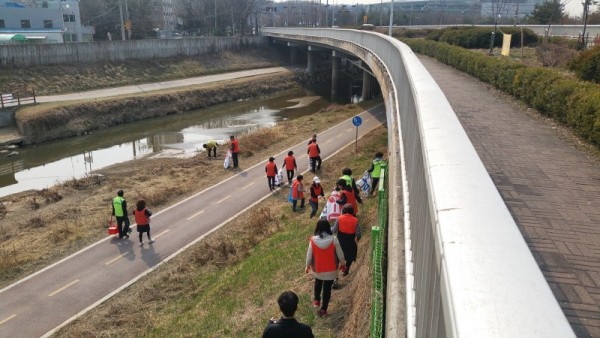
(50, 122)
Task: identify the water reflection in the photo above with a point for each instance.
(182, 135)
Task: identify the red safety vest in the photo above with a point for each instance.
(350, 198)
(236, 147)
(297, 195)
(324, 259)
(271, 169)
(317, 190)
(347, 224)
(289, 163)
(140, 217)
(313, 150)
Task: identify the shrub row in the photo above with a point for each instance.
(479, 37)
(587, 65)
(567, 100)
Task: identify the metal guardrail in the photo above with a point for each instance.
(378, 234)
(469, 272)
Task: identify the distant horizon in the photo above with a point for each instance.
(573, 8)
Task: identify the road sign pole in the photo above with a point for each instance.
(356, 140)
(356, 121)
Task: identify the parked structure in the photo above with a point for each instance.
(50, 21)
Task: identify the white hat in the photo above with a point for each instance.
(316, 179)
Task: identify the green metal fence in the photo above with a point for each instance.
(378, 235)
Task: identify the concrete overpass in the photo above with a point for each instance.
(457, 263)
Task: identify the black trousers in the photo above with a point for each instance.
(271, 181)
(122, 229)
(213, 150)
(374, 185)
(325, 287)
(290, 175)
(234, 157)
(315, 163)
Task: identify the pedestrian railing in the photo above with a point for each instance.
(16, 96)
(378, 235)
(468, 270)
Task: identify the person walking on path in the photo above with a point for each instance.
(142, 219)
(316, 192)
(289, 164)
(287, 326)
(314, 154)
(119, 210)
(324, 257)
(350, 182)
(271, 170)
(312, 139)
(211, 146)
(348, 233)
(298, 192)
(375, 171)
(346, 195)
(235, 149)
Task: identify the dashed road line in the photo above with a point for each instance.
(248, 185)
(349, 129)
(63, 288)
(7, 319)
(194, 215)
(116, 258)
(162, 233)
(223, 199)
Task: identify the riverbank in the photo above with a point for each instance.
(40, 227)
(227, 285)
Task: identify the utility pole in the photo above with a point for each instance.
(215, 33)
(121, 18)
(391, 17)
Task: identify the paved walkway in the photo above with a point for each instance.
(551, 189)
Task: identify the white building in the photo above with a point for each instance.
(50, 21)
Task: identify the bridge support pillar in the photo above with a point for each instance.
(311, 62)
(335, 72)
(293, 55)
(366, 85)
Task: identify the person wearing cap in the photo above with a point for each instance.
(289, 164)
(271, 170)
(211, 145)
(316, 192)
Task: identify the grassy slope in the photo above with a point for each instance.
(227, 285)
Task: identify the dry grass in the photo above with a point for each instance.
(227, 285)
(80, 215)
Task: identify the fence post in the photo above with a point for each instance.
(18, 99)
(33, 91)
(2, 99)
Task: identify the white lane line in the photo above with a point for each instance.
(116, 258)
(328, 141)
(301, 156)
(223, 199)
(194, 215)
(7, 319)
(162, 233)
(247, 185)
(63, 288)
(339, 135)
(367, 120)
(349, 129)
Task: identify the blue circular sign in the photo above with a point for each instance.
(357, 121)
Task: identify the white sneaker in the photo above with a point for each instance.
(151, 241)
(141, 243)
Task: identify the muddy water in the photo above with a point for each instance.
(182, 135)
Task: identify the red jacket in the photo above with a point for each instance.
(271, 169)
(289, 162)
(235, 147)
(324, 259)
(347, 224)
(313, 150)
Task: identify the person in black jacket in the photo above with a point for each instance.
(287, 326)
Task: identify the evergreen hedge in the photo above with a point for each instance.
(587, 65)
(568, 100)
(479, 37)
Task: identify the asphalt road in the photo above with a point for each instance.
(47, 300)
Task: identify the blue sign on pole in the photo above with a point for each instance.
(357, 121)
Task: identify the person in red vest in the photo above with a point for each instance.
(316, 192)
(235, 149)
(347, 195)
(324, 257)
(142, 219)
(271, 169)
(298, 192)
(289, 164)
(314, 153)
(348, 233)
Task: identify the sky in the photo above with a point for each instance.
(572, 7)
